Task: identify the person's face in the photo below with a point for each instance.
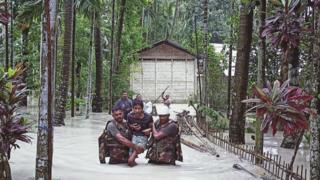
(139, 97)
(163, 118)
(125, 95)
(137, 109)
(118, 115)
(167, 96)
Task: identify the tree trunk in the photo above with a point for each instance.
(89, 81)
(293, 65)
(45, 129)
(11, 34)
(261, 74)
(111, 58)
(206, 45)
(237, 121)
(67, 52)
(6, 40)
(230, 63)
(25, 38)
(293, 74)
(73, 58)
(97, 99)
(5, 172)
(176, 11)
(79, 89)
(117, 50)
(315, 122)
(315, 147)
(198, 66)
(54, 40)
(296, 148)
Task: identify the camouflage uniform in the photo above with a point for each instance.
(166, 150)
(110, 147)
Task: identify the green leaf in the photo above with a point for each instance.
(9, 86)
(283, 2)
(11, 72)
(275, 90)
(276, 2)
(253, 100)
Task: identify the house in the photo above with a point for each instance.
(165, 64)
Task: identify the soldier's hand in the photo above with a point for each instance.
(147, 131)
(139, 149)
(137, 127)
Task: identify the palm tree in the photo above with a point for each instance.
(11, 33)
(261, 72)
(206, 44)
(111, 58)
(95, 7)
(67, 52)
(45, 128)
(97, 99)
(73, 59)
(237, 121)
(6, 38)
(315, 123)
(89, 81)
(28, 11)
(230, 61)
(176, 11)
(119, 35)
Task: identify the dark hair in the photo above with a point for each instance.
(116, 108)
(137, 102)
(124, 91)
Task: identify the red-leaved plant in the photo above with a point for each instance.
(284, 27)
(286, 105)
(4, 15)
(13, 126)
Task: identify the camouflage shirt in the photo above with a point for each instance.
(168, 149)
(109, 146)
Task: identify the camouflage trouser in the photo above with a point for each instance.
(118, 155)
(161, 157)
(162, 152)
(165, 151)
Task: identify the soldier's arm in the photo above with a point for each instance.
(157, 134)
(126, 142)
(170, 130)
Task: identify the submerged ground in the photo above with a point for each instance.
(76, 158)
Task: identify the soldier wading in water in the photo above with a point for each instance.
(116, 141)
(165, 146)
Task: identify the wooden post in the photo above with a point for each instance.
(155, 78)
(270, 160)
(283, 168)
(305, 173)
(273, 164)
(302, 172)
(279, 166)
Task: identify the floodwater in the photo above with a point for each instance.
(76, 158)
